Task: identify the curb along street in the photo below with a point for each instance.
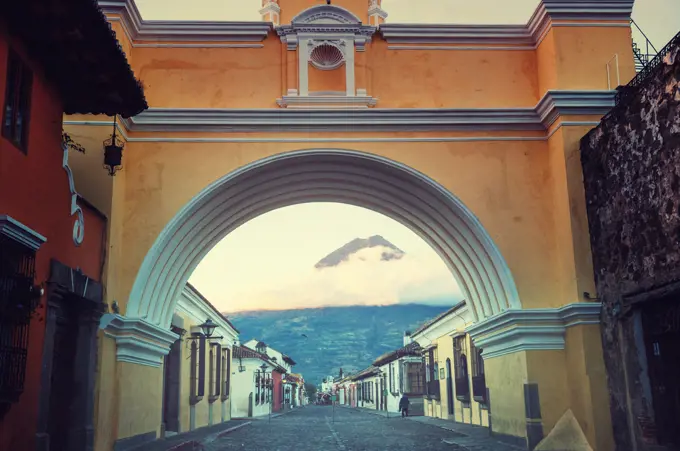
(197, 443)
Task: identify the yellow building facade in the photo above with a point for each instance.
(193, 380)
(453, 368)
(467, 134)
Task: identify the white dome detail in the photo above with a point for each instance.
(326, 57)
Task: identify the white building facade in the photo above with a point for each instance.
(400, 372)
(253, 382)
(203, 401)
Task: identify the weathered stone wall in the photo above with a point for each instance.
(631, 167)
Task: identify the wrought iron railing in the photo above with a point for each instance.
(414, 384)
(18, 300)
(642, 58)
(626, 93)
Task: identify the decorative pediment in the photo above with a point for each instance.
(322, 20)
(326, 14)
(327, 37)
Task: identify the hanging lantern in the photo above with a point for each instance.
(113, 152)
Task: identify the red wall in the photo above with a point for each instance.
(34, 190)
(278, 391)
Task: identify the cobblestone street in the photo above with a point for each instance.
(316, 428)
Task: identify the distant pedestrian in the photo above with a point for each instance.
(403, 405)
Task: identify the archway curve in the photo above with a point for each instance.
(324, 175)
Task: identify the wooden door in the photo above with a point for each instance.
(449, 385)
(171, 389)
(662, 341)
(63, 379)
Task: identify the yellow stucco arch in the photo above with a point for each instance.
(324, 175)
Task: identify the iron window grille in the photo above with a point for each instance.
(415, 379)
(267, 389)
(18, 300)
(226, 374)
(201, 366)
(432, 386)
(257, 387)
(402, 378)
(197, 364)
(16, 112)
(461, 369)
(478, 378)
(215, 371)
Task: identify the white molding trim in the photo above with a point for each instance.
(457, 47)
(79, 224)
(350, 85)
(200, 46)
(456, 320)
(138, 29)
(300, 117)
(326, 140)
(517, 330)
(326, 102)
(549, 13)
(560, 103)
(375, 10)
(137, 340)
(15, 230)
(271, 7)
(358, 178)
(318, 25)
(190, 303)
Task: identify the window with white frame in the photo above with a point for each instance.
(257, 387)
(197, 371)
(226, 373)
(215, 371)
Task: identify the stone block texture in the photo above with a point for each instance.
(631, 169)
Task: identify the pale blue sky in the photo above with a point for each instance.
(269, 262)
(659, 19)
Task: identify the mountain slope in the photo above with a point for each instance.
(342, 254)
(338, 337)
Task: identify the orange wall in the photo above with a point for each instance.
(451, 78)
(582, 54)
(34, 190)
(508, 196)
(211, 77)
(566, 58)
(253, 77)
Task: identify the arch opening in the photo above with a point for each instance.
(324, 175)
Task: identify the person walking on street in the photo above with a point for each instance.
(403, 405)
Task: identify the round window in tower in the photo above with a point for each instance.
(326, 57)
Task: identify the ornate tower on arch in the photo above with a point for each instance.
(281, 12)
(325, 61)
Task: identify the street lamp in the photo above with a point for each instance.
(207, 329)
(263, 367)
(113, 152)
